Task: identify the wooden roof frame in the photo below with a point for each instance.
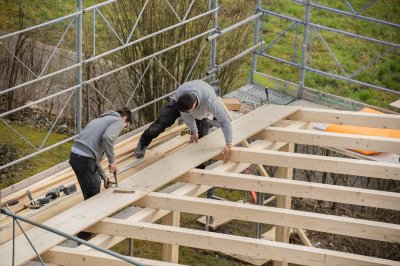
(274, 146)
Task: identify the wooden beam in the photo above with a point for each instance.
(71, 257)
(232, 104)
(303, 236)
(283, 201)
(329, 139)
(395, 104)
(249, 247)
(148, 179)
(347, 118)
(170, 253)
(301, 189)
(317, 163)
(276, 216)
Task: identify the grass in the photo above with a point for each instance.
(352, 53)
(38, 163)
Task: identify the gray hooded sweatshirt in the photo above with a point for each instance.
(98, 137)
(208, 103)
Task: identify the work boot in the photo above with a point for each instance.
(140, 151)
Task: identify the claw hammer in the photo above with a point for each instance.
(115, 177)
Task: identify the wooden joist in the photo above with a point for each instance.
(276, 216)
(317, 163)
(249, 247)
(71, 256)
(347, 118)
(329, 139)
(301, 189)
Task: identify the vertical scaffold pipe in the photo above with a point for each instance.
(78, 94)
(213, 56)
(304, 48)
(256, 38)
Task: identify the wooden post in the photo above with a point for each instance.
(170, 253)
(282, 232)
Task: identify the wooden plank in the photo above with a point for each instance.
(329, 139)
(303, 236)
(232, 104)
(71, 257)
(302, 189)
(151, 178)
(177, 164)
(250, 247)
(347, 118)
(276, 216)
(317, 163)
(395, 104)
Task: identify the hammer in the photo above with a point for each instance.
(115, 177)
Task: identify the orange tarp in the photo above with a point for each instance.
(368, 131)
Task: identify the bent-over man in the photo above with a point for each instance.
(95, 140)
(194, 101)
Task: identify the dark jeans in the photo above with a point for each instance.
(86, 172)
(167, 118)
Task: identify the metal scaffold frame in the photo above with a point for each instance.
(259, 49)
(309, 29)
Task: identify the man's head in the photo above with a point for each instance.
(125, 114)
(186, 102)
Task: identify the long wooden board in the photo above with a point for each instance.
(249, 247)
(160, 173)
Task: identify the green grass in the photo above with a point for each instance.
(350, 52)
(38, 163)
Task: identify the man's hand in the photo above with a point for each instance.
(107, 183)
(194, 138)
(225, 152)
(112, 167)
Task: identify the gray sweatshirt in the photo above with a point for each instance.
(208, 103)
(98, 137)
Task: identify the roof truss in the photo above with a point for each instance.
(274, 127)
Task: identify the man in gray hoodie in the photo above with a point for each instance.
(194, 101)
(95, 140)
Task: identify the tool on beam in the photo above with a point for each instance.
(115, 178)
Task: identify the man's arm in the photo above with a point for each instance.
(189, 121)
(108, 139)
(219, 113)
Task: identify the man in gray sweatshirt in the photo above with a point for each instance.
(194, 101)
(95, 140)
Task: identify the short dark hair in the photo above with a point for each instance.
(124, 111)
(185, 102)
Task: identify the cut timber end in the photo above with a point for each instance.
(232, 104)
(395, 104)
